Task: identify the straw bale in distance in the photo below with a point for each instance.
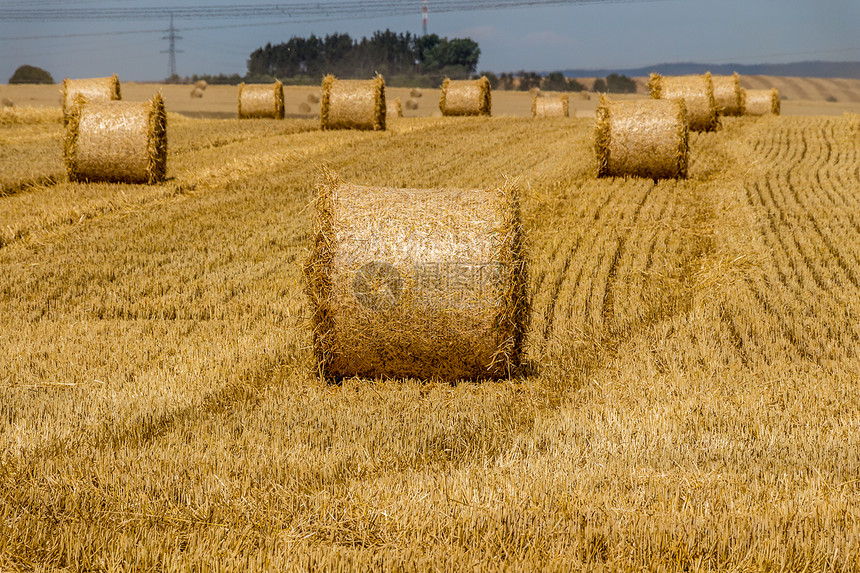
(728, 94)
(196, 93)
(353, 104)
(261, 101)
(117, 141)
(466, 97)
(6, 102)
(415, 92)
(393, 108)
(313, 98)
(201, 84)
(94, 90)
(762, 102)
(697, 93)
(644, 138)
(423, 283)
(304, 107)
(551, 106)
(411, 104)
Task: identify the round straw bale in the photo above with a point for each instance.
(644, 138)
(728, 94)
(423, 283)
(466, 97)
(304, 107)
(393, 108)
(411, 104)
(762, 102)
(94, 90)
(201, 84)
(6, 102)
(117, 141)
(415, 92)
(261, 100)
(697, 93)
(313, 98)
(196, 93)
(551, 106)
(353, 104)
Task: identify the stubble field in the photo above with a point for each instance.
(690, 401)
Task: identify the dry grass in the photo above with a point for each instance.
(762, 102)
(551, 106)
(466, 97)
(422, 283)
(353, 104)
(697, 93)
(261, 101)
(116, 141)
(93, 90)
(729, 94)
(691, 401)
(644, 138)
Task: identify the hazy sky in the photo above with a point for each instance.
(618, 34)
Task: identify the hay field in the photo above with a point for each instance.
(691, 400)
(803, 96)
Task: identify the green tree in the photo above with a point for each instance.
(620, 84)
(555, 82)
(599, 85)
(30, 75)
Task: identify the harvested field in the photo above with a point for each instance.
(691, 398)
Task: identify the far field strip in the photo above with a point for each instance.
(203, 154)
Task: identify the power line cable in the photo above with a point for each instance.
(325, 10)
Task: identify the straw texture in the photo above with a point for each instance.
(466, 97)
(551, 106)
(644, 138)
(697, 93)
(261, 101)
(762, 102)
(94, 90)
(728, 94)
(353, 104)
(393, 108)
(422, 283)
(117, 141)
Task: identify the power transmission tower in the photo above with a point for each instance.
(171, 50)
(424, 17)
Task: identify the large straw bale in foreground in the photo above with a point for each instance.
(117, 141)
(728, 94)
(551, 106)
(697, 93)
(424, 283)
(94, 90)
(353, 104)
(762, 102)
(465, 97)
(261, 101)
(644, 138)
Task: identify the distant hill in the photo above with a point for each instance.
(850, 70)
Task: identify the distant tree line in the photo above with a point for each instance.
(556, 81)
(388, 53)
(615, 83)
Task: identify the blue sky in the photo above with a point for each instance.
(619, 34)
